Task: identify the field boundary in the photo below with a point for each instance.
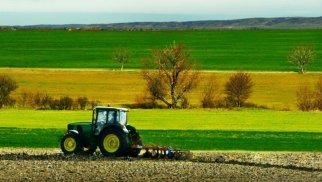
(138, 70)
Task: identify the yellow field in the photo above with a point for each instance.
(272, 89)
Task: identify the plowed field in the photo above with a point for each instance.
(51, 165)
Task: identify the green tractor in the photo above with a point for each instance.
(108, 130)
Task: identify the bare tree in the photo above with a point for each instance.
(174, 75)
(238, 88)
(210, 93)
(7, 85)
(122, 56)
(301, 56)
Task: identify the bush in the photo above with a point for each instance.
(35, 100)
(318, 99)
(65, 103)
(184, 102)
(145, 101)
(10, 102)
(238, 89)
(46, 102)
(7, 85)
(210, 94)
(305, 99)
(82, 102)
(54, 104)
(94, 103)
(26, 99)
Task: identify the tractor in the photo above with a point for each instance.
(108, 130)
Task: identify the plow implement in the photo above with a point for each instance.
(163, 152)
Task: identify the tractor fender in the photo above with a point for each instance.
(131, 128)
(116, 127)
(73, 131)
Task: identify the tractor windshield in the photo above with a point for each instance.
(121, 117)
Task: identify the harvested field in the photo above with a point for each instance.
(50, 165)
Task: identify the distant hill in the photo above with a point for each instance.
(250, 23)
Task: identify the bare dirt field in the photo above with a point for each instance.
(51, 165)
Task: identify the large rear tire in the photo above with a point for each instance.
(112, 143)
(70, 144)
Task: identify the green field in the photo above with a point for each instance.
(219, 50)
(183, 139)
(193, 119)
(186, 129)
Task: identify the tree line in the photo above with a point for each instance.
(39, 100)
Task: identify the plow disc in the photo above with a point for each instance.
(163, 152)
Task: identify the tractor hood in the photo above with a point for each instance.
(80, 126)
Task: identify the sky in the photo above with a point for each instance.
(31, 12)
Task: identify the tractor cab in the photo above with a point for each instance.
(107, 116)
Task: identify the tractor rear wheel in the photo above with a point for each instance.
(112, 142)
(70, 144)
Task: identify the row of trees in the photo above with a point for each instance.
(39, 100)
(44, 101)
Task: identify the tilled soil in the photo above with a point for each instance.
(51, 165)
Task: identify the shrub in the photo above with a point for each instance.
(26, 99)
(318, 99)
(10, 102)
(94, 103)
(65, 103)
(45, 101)
(7, 85)
(185, 104)
(305, 99)
(210, 94)
(238, 89)
(82, 102)
(144, 101)
(54, 104)
(35, 100)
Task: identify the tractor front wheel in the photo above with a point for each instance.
(70, 144)
(112, 143)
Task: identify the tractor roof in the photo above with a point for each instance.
(115, 108)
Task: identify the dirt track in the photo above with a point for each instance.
(50, 165)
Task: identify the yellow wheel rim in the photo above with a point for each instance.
(111, 143)
(70, 144)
